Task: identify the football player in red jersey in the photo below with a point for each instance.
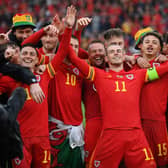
(66, 148)
(122, 135)
(117, 36)
(66, 114)
(154, 97)
(96, 57)
(34, 122)
(65, 93)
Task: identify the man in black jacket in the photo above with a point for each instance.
(7, 67)
(10, 141)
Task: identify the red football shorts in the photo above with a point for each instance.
(36, 151)
(156, 134)
(92, 133)
(115, 145)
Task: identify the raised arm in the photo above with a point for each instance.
(80, 25)
(35, 37)
(65, 42)
(87, 70)
(83, 53)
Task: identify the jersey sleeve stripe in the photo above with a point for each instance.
(42, 60)
(51, 70)
(146, 76)
(27, 93)
(91, 73)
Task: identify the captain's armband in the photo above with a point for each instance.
(152, 74)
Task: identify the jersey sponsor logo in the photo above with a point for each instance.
(76, 71)
(156, 64)
(130, 76)
(96, 163)
(94, 88)
(17, 161)
(109, 76)
(38, 78)
(119, 76)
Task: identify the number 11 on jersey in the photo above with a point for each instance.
(120, 86)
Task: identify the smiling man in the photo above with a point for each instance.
(22, 28)
(96, 58)
(96, 51)
(154, 97)
(33, 118)
(122, 135)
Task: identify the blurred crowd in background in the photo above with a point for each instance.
(130, 15)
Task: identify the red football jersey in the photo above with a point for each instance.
(91, 100)
(154, 97)
(44, 59)
(7, 82)
(64, 96)
(120, 91)
(66, 91)
(119, 96)
(33, 118)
